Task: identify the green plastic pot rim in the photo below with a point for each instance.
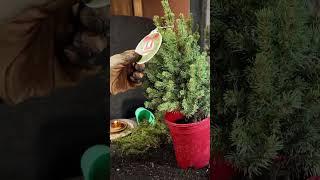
(139, 110)
(90, 157)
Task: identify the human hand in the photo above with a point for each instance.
(125, 74)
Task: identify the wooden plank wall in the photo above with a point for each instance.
(127, 7)
(122, 7)
(147, 8)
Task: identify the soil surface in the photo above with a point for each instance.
(156, 164)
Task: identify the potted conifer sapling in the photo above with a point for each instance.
(177, 88)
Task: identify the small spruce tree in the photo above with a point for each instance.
(234, 46)
(266, 77)
(280, 131)
(178, 75)
(177, 79)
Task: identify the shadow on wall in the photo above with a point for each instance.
(124, 105)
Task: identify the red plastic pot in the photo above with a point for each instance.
(220, 169)
(191, 142)
(314, 178)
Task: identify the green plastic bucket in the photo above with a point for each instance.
(95, 163)
(144, 114)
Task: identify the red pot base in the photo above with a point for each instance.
(191, 141)
(314, 178)
(220, 169)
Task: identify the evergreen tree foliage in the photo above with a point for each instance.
(177, 79)
(266, 60)
(233, 46)
(178, 75)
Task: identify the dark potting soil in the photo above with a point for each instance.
(156, 164)
(182, 121)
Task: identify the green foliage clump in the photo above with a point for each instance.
(142, 139)
(267, 87)
(233, 46)
(283, 106)
(178, 75)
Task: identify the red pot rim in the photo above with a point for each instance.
(188, 124)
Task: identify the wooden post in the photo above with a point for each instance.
(138, 8)
(205, 25)
(200, 10)
(123, 7)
